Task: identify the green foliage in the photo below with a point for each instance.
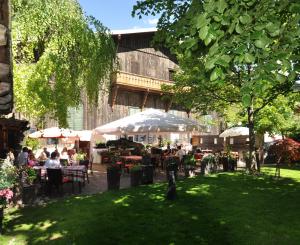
(208, 159)
(278, 117)
(59, 54)
(189, 160)
(29, 175)
(230, 52)
(242, 53)
(80, 156)
(33, 144)
(8, 174)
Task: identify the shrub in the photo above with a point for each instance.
(8, 178)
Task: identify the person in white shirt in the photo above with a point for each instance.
(53, 162)
(180, 153)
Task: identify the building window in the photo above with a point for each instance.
(171, 74)
(52, 141)
(130, 137)
(75, 118)
(215, 141)
(133, 110)
(231, 141)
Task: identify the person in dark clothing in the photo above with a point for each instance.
(47, 152)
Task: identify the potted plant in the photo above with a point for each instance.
(8, 178)
(208, 164)
(136, 175)
(100, 145)
(80, 157)
(113, 177)
(189, 163)
(29, 190)
(147, 174)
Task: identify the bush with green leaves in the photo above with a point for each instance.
(189, 160)
(209, 159)
(33, 144)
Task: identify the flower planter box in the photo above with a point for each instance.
(29, 194)
(113, 178)
(136, 177)
(147, 176)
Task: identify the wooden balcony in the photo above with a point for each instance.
(138, 82)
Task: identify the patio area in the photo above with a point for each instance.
(97, 184)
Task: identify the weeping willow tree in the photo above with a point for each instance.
(59, 53)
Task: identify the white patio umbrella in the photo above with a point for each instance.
(149, 121)
(84, 135)
(35, 135)
(54, 132)
(235, 131)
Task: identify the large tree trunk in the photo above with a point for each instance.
(251, 139)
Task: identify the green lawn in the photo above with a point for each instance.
(225, 208)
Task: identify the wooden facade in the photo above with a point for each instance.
(11, 133)
(137, 84)
(6, 81)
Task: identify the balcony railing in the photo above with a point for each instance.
(139, 82)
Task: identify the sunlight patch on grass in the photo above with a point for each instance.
(24, 227)
(55, 236)
(195, 217)
(122, 200)
(157, 197)
(200, 189)
(45, 225)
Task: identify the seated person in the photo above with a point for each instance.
(64, 156)
(53, 162)
(42, 157)
(31, 159)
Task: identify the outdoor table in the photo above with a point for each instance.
(132, 158)
(74, 173)
(128, 161)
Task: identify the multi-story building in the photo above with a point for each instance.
(142, 70)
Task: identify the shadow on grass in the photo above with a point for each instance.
(219, 209)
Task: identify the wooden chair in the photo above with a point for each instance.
(86, 163)
(56, 179)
